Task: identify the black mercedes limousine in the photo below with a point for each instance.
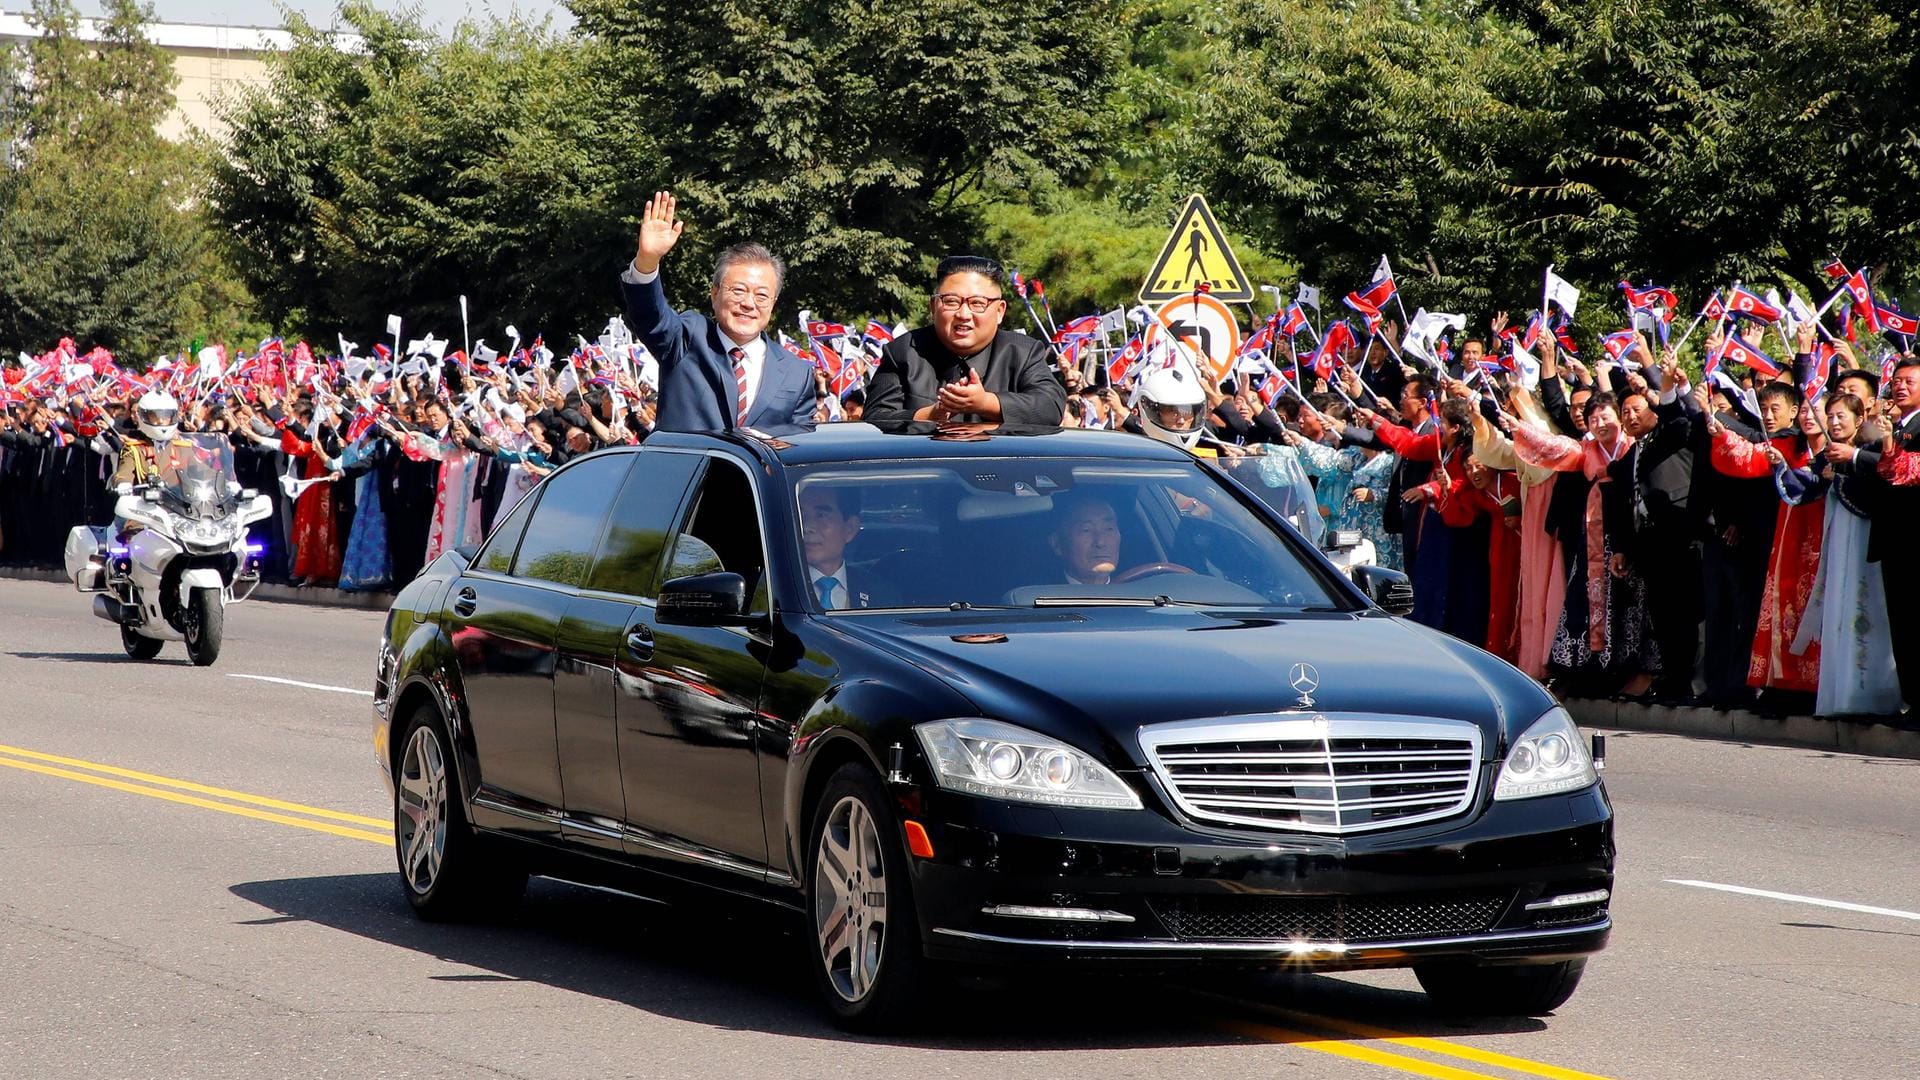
(987, 697)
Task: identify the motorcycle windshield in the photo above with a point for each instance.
(195, 472)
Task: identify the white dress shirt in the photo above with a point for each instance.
(840, 597)
(755, 360)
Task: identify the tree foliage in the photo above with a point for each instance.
(1093, 254)
(401, 175)
(852, 137)
(1684, 141)
(101, 236)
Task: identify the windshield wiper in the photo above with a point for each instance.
(1104, 601)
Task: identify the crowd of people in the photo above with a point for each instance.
(1620, 531)
(1613, 529)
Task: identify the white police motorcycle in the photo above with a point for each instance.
(172, 577)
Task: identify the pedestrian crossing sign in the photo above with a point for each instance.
(1196, 254)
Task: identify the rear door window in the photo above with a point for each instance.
(565, 529)
(643, 515)
(497, 556)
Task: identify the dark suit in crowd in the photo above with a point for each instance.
(1016, 368)
(697, 387)
(1895, 515)
(1658, 529)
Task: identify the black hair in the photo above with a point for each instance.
(1776, 389)
(969, 264)
(1904, 363)
(1872, 380)
(1421, 384)
(1457, 412)
(1601, 399)
(856, 396)
(845, 498)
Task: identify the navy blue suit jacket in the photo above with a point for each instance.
(697, 390)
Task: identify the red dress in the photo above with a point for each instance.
(317, 546)
(1792, 568)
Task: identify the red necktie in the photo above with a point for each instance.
(740, 380)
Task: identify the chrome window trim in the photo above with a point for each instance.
(1295, 949)
(1321, 728)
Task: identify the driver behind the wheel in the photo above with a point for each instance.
(1086, 537)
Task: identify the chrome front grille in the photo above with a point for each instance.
(1337, 775)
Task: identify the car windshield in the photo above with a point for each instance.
(194, 471)
(1280, 482)
(1027, 532)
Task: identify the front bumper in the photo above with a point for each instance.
(1026, 884)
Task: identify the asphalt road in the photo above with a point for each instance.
(196, 881)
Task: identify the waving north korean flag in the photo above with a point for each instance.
(1742, 302)
(1737, 351)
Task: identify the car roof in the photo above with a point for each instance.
(848, 442)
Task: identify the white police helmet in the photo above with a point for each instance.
(158, 415)
(1171, 403)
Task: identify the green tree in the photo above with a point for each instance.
(101, 237)
(400, 175)
(853, 138)
(1333, 135)
(1704, 140)
(1093, 254)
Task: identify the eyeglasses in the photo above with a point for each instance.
(740, 294)
(979, 305)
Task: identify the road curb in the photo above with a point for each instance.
(276, 594)
(1810, 732)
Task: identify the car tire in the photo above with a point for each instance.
(863, 939)
(448, 871)
(139, 646)
(1517, 990)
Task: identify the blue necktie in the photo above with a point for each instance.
(825, 587)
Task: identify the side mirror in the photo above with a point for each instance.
(1390, 590)
(703, 600)
(467, 552)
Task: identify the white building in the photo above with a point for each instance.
(209, 60)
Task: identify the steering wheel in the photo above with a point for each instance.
(1134, 573)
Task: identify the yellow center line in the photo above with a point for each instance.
(1353, 1052)
(385, 839)
(188, 785)
(1435, 1046)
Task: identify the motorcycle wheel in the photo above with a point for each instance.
(138, 647)
(203, 626)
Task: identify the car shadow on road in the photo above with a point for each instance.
(745, 970)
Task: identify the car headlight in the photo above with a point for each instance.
(1000, 760)
(1550, 757)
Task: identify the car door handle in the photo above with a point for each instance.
(469, 600)
(640, 643)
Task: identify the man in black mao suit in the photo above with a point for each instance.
(964, 367)
(722, 371)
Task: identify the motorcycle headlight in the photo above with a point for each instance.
(1549, 758)
(1000, 760)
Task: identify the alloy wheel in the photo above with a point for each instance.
(850, 898)
(420, 810)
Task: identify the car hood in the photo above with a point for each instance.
(1094, 676)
